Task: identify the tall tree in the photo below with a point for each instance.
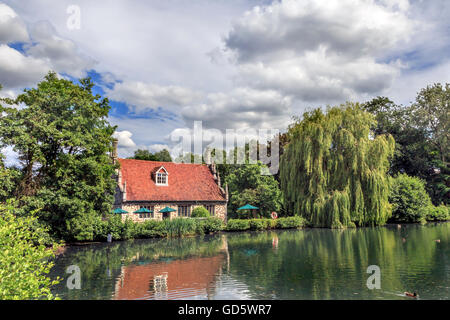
(420, 132)
(247, 186)
(333, 172)
(142, 154)
(431, 113)
(63, 138)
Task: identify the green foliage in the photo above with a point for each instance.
(9, 178)
(24, 259)
(209, 225)
(290, 222)
(261, 224)
(333, 172)
(63, 138)
(439, 213)
(409, 199)
(421, 132)
(200, 212)
(246, 185)
(238, 225)
(265, 224)
(180, 227)
(163, 155)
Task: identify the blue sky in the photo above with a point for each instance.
(230, 64)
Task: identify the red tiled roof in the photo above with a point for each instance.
(187, 182)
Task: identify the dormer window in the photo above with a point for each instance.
(161, 177)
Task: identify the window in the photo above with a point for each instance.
(211, 209)
(147, 215)
(184, 211)
(161, 178)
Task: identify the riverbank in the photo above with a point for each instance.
(309, 264)
(191, 227)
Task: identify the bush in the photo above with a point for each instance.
(209, 225)
(409, 199)
(440, 213)
(260, 224)
(290, 223)
(24, 259)
(238, 225)
(200, 212)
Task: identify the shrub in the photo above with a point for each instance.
(209, 225)
(440, 213)
(260, 224)
(24, 260)
(238, 225)
(290, 222)
(153, 229)
(200, 212)
(409, 199)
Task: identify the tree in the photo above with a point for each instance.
(141, 154)
(8, 180)
(63, 139)
(24, 259)
(410, 201)
(420, 132)
(247, 185)
(333, 173)
(163, 155)
(431, 113)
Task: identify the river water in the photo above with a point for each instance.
(297, 264)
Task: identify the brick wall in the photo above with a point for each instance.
(220, 209)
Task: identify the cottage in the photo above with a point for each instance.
(156, 185)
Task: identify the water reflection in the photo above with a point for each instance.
(304, 264)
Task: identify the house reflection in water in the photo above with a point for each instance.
(175, 279)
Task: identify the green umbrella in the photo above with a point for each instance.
(167, 210)
(248, 207)
(119, 211)
(143, 210)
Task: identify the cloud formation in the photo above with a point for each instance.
(12, 28)
(320, 50)
(144, 96)
(41, 50)
(124, 138)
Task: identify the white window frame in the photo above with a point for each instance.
(164, 175)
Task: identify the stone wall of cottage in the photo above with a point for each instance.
(220, 209)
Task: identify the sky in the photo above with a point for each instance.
(231, 64)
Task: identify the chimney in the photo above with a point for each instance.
(114, 155)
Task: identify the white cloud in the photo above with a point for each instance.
(145, 96)
(12, 28)
(320, 50)
(158, 147)
(61, 54)
(124, 138)
(17, 70)
(242, 107)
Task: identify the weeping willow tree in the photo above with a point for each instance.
(333, 172)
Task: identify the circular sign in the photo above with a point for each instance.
(274, 215)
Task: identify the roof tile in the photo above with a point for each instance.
(187, 182)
